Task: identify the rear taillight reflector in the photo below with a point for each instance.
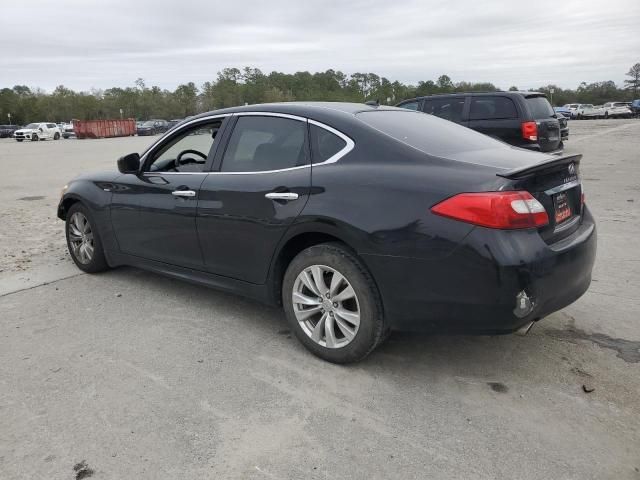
(503, 210)
(530, 131)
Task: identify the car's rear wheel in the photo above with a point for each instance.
(332, 304)
(83, 240)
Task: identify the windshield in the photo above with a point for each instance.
(427, 133)
(619, 104)
(540, 107)
(587, 105)
(148, 123)
(32, 125)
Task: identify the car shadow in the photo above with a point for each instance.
(411, 354)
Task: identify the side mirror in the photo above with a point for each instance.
(40, 129)
(129, 163)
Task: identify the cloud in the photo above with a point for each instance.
(88, 44)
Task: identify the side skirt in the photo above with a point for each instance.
(260, 293)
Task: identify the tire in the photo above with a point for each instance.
(606, 115)
(75, 229)
(351, 342)
(56, 136)
(18, 139)
(34, 137)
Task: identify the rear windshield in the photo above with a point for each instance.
(539, 107)
(427, 133)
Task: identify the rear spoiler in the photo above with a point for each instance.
(547, 165)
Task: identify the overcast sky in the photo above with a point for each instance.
(88, 44)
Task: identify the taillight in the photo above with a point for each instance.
(530, 131)
(503, 210)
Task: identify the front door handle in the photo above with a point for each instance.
(286, 196)
(184, 193)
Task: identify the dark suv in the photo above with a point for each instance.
(523, 119)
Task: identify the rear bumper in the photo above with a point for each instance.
(474, 289)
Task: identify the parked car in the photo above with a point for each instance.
(152, 127)
(635, 108)
(564, 127)
(6, 131)
(564, 111)
(408, 221)
(38, 131)
(523, 119)
(587, 111)
(173, 123)
(573, 109)
(616, 109)
(67, 130)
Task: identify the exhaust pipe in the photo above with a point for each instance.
(522, 331)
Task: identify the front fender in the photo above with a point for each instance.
(96, 196)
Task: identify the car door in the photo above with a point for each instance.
(259, 185)
(154, 212)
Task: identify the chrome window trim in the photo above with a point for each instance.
(349, 145)
(175, 130)
(270, 114)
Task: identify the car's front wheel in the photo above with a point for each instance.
(56, 136)
(332, 304)
(34, 137)
(83, 240)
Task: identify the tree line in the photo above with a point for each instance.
(235, 86)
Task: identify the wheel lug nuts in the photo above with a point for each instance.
(327, 295)
(335, 305)
(331, 314)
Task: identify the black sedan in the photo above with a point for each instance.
(355, 219)
(152, 127)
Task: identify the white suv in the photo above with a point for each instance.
(38, 131)
(616, 109)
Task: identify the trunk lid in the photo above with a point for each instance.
(557, 185)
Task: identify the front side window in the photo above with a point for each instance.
(51, 125)
(324, 144)
(492, 108)
(447, 108)
(188, 151)
(266, 143)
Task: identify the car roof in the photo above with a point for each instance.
(326, 110)
(479, 94)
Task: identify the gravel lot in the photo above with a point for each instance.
(140, 376)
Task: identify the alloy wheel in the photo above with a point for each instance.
(81, 238)
(326, 306)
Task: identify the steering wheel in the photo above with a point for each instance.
(179, 162)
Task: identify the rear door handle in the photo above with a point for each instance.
(184, 193)
(286, 196)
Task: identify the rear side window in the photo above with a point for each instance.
(447, 108)
(492, 108)
(539, 107)
(324, 144)
(265, 143)
(410, 105)
(427, 133)
(51, 125)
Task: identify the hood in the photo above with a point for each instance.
(26, 130)
(100, 176)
